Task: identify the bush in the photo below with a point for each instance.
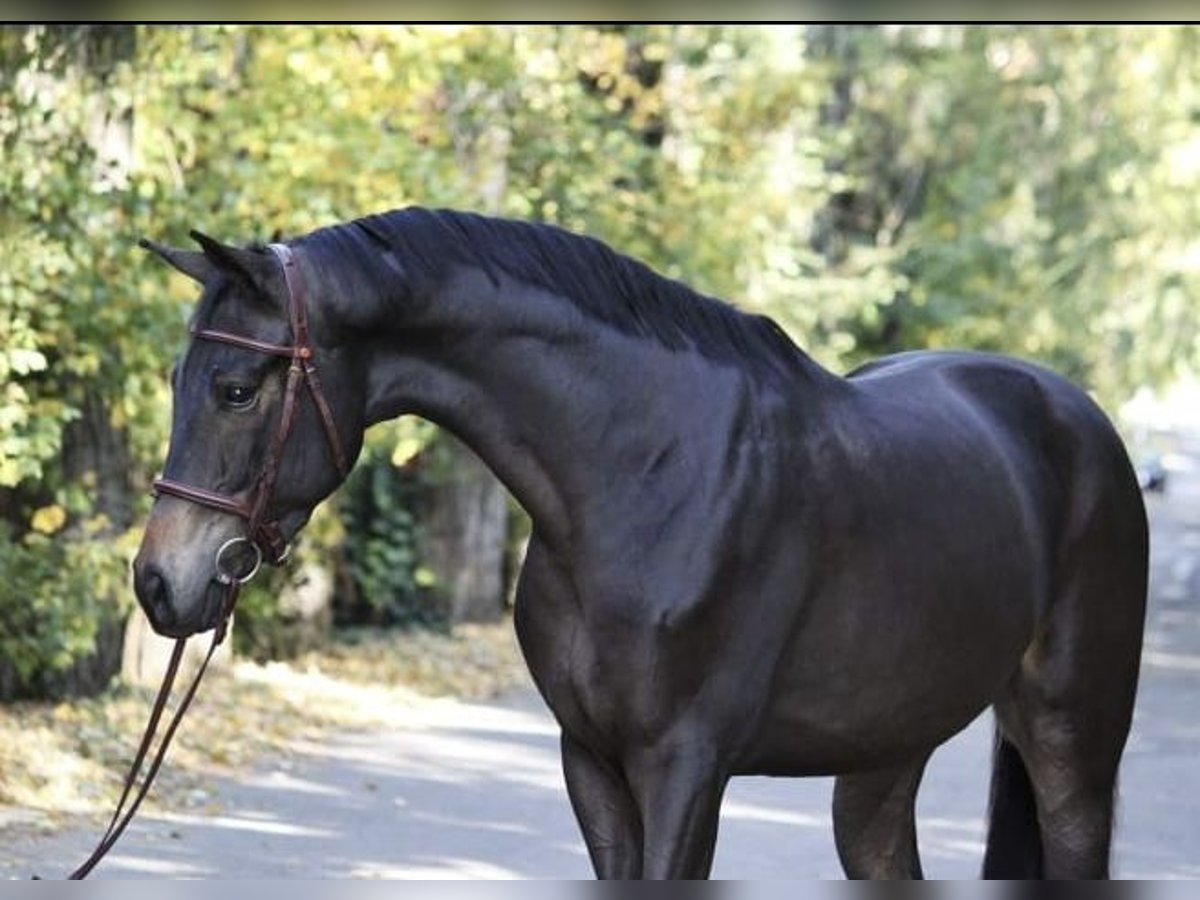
(62, 602)
(382, 548)
(287, 610)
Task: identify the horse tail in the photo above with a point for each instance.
(1014, 841)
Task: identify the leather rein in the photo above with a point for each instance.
(264, 537)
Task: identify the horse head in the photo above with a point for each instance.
(258, 437)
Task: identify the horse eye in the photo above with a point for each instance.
(237, 396)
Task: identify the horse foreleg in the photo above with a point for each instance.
(605, 809)
(874, 822)
(678, 791)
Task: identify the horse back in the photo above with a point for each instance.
(1046, 422)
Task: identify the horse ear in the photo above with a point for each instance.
(252, 266)
(189, 262)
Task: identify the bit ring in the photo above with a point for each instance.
(226, 577)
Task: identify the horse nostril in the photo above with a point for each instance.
(154, 594)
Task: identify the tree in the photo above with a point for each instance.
(1013, 189)
(876, 188)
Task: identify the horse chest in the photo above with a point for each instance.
(619, 672)
(568, 667)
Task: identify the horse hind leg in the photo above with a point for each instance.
(1068, 708)
(1063, 724)
(1014, 841)
(874, 821)
(1072, 772)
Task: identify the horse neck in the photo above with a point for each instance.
(558, 405)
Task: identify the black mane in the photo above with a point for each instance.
(605, 285)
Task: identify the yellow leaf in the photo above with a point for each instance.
(49, 519)
(406, 448)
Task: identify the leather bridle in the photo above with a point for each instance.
(264, 536)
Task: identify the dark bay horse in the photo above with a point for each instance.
(741, 563)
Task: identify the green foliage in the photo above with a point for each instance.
(54, 597)
(261, 629)
(1009, 188)
(382, 548)
(268, 623)
(69, 336)
(66, 228)
(1030, 190)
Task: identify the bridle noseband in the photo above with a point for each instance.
(264, 537)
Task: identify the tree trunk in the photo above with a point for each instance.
(464, 529)
(836, 46)
(463, 537)
(95, 452)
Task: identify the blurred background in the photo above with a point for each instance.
(1026, 189)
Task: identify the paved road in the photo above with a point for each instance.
(475, 791)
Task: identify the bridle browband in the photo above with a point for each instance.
(266, 537)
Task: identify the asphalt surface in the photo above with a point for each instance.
(475, 791)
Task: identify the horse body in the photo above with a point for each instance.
(924, 604)
(880, 629)
(857, 589)
(743, 564)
